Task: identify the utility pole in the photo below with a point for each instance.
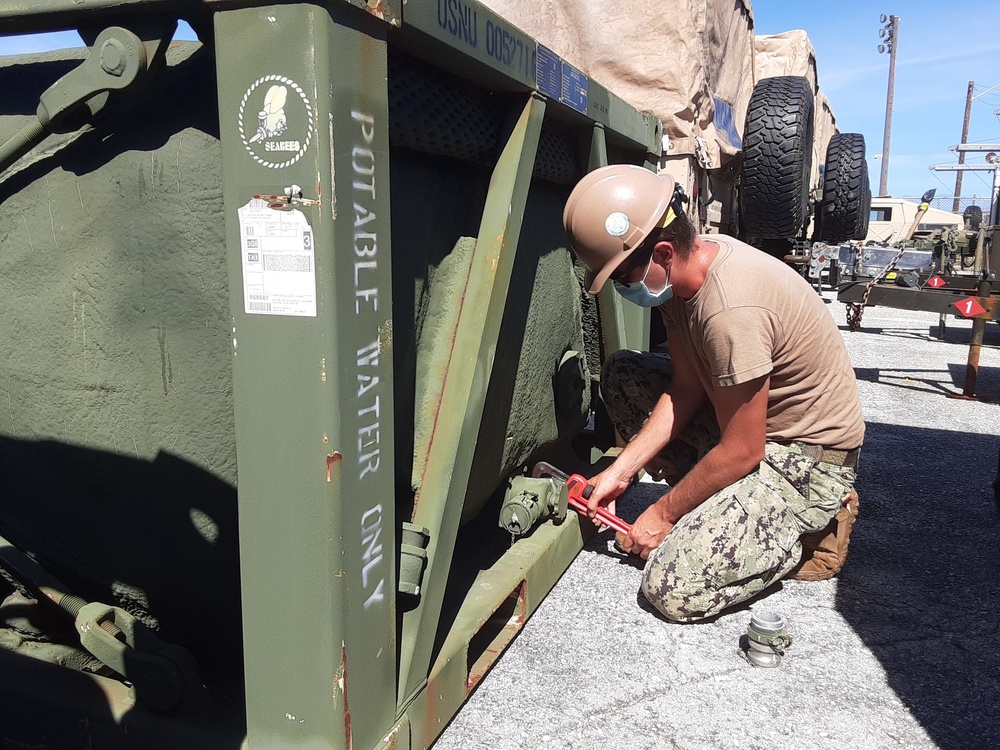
(890, 34)
(961, 153)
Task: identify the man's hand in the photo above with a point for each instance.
(608, 485)
(648, 531)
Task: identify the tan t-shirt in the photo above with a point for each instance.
(755, 316)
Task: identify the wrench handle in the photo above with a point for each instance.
(580, 491)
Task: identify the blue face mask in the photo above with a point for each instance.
(639, 293)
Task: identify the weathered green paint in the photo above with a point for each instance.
(159, 348)
(313, 395)
(609, 302)
(621, 325)
(26, 16)
(439, 502)
(113, 358)
(527, 571)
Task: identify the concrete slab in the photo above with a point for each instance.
(902, 650)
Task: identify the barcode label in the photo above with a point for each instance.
(296, 263)
(279, 261)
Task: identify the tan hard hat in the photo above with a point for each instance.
(609, 214)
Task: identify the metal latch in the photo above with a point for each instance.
(161, 674)
(412, 558)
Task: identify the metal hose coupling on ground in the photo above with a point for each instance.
(766, 640)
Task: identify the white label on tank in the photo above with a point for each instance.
(279, 261)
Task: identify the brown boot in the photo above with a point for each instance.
(825, 552)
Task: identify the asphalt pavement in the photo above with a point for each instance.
(902, 650)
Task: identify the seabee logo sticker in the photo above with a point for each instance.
(276, 121)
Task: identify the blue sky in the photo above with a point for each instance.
(28, 43)
(940, 49)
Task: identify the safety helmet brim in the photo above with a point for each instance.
(610, 213)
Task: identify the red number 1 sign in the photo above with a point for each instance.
(969, 307)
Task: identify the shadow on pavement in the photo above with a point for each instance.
(946, 382)
(921, 588)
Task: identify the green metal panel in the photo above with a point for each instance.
(318, 390)
(494, 610)
(622, 326)
(23, 16)
(313, 393)
(441, 495)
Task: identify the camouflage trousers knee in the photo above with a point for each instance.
(631, 384)
(746, 536)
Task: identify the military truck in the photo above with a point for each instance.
(747, 129)
(288, 325)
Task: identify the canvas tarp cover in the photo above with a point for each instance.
(792, 54)
(677, 59)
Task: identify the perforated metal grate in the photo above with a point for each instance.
(434, 112)
(557, 160)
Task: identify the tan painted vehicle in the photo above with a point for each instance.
(892, 217)
(289, 332)
(746, 128)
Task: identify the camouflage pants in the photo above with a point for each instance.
(744, 537)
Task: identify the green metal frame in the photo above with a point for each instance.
(329, 662)
(313, 395)
(449, 464)
(942, 301)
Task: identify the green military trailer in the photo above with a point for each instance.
(286, 320)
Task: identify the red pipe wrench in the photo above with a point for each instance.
(579, 491)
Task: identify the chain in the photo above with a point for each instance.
(856, 310)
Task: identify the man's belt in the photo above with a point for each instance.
(847, 458)
(841, 458)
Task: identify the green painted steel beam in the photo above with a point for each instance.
(26, 16)
(303, 107)
(303, 112)
(489, 49)
(943, 301)
(496, 607)
(609, 303)
(447, 476)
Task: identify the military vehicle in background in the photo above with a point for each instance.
(288, 319)
(892, 217)
(747, 129)
(914, 238)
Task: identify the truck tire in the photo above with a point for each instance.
(777, 157)
(865, 214)
(973, 216)
(846, 195)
